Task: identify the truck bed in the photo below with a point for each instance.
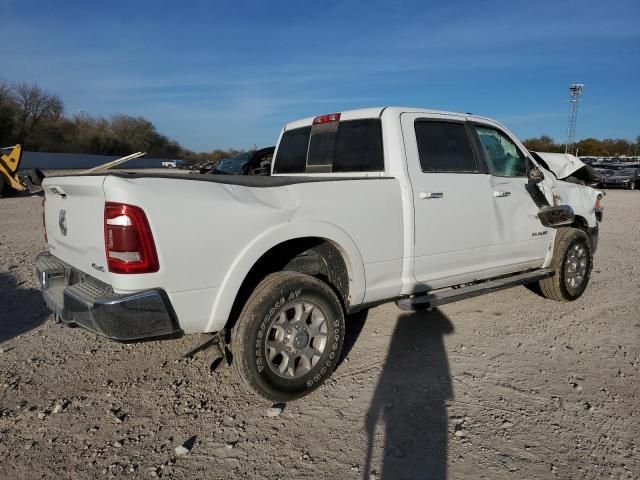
(209, 230)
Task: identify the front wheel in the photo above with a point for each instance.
(289, 336)
(572, 262)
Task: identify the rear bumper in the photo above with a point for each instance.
(79, 299)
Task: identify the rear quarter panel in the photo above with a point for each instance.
(208, 236)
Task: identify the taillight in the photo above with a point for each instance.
(46, 239)
(598, 202)
(128, 240)
(331, 117)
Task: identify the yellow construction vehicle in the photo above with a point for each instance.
(9, 164)
(10, 180)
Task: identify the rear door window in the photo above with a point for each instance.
(345, 146)
(444, 147)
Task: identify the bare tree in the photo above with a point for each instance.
(34, 105)
(5, 92)
(7, 113)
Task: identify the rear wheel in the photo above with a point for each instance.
(572, 262)
(289, 335)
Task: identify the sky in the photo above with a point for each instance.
(222, 74)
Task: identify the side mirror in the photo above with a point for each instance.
(557, 216)
(536, 175)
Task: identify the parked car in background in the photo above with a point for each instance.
(613, 178)
(171, 163)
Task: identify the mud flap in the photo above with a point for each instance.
(215, 351)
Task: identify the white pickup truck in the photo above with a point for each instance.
(362, 207)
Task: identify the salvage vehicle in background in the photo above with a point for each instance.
(255, 162)
(362, 207)
(636, 171)
(206, 167)
(618, 178)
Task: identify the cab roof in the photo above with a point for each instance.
(376, 112)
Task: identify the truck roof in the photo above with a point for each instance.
(374, 112)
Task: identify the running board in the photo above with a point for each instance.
(429, 300)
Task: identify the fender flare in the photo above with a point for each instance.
(260, 245)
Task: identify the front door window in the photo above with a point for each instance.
(503, 157)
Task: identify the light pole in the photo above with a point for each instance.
(575, 91)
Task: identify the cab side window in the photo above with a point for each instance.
(503, 157)
(444, 147)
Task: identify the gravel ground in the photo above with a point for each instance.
(508, 385)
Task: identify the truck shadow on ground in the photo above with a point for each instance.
(409, 403)
(23, 308)
(354, 324)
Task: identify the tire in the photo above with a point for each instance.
(288, 338)
(2, 185)
(572, 262)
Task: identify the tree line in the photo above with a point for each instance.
(35, 118)
(589, 147)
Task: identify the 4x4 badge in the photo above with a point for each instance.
(62, 222)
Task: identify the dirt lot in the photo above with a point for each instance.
(507, 385)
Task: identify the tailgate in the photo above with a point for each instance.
(74, 219)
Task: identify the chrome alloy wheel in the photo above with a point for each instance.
(575, 266)
(296, 339)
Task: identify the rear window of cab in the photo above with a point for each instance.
(339, 146)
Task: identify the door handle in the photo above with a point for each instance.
(428, 195)
(498, 193)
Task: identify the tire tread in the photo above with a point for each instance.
(240, 335)
(552, 287)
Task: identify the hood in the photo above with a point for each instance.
(561, 164)
(565, 165)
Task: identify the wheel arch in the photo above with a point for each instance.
(581, 223)
(333, 257)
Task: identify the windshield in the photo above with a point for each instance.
(232, 166)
